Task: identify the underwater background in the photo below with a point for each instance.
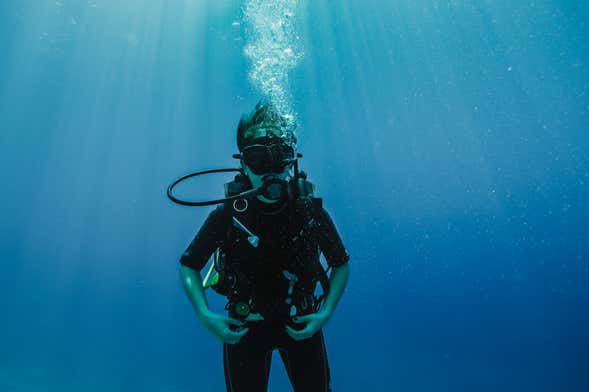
(447, 139)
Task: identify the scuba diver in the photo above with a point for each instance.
(266, 237)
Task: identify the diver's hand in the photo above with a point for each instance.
(220, 327)
(315, 321)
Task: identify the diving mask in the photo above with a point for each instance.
(267, 158)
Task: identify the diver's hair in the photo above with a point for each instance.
(265, 115)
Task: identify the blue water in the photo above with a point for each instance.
(448, 140)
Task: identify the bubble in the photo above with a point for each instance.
(272, 48)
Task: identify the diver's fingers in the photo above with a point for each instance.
(233, 336)
(298, 335)
(302, 319)
(293, 334)
(233, 333)
(233, 321)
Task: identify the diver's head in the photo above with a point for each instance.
(267, 144)
(266, 160)
(266, 121)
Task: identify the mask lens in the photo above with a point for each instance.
(266, 159)
(257, 158)
(286, 153)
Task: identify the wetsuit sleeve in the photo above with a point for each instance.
(209, 237)
(330, 241)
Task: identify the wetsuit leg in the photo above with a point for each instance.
(247, 363)
(306, 363)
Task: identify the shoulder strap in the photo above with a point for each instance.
(309, 208)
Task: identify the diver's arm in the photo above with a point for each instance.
(192, 283)
(218, 325)
(337, 284)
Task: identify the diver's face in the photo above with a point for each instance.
(258, 179)
(262, 161)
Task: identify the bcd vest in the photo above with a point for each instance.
(276, 273)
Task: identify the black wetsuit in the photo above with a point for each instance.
(247, 363)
